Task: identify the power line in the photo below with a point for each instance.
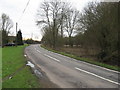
(24, 10)
(26, 6)
(20, 18)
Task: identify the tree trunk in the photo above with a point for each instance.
(70, 41)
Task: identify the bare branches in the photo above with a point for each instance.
(6, 23)
(71, 20)
(59, 16)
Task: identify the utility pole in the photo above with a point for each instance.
(16, 32)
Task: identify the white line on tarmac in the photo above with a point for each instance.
(38, 51)
(97, 76)
(86, 62)
(89, 64)
(52, 58)
(98, 66)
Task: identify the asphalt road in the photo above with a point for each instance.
(70, 73)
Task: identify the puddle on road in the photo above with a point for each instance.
(37, 72)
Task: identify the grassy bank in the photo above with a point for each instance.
(85, 59)
(0, 67)
(15, 73)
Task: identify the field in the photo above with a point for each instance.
(15, 73)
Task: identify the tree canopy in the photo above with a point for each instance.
(19, 38)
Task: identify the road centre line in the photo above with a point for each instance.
(99, 67)
(52, 58)
(38, 51)
(97, 76)
(89, 64)
(86, 63)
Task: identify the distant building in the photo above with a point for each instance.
(11, 39)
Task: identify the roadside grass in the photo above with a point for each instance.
(0, 67)
(116, 68)
(12, 60)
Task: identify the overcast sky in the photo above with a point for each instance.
(14, 9)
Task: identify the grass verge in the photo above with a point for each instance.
(116, 68)
(12, 60)
(0, 68)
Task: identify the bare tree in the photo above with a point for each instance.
(100, 21)
(6, 25)
(71, 22)
(51, 17)
(58, 16)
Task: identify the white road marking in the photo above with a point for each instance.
(97, 76)
(98, 66)
(89, 64)
(85, 62)
(52, 58)
(38, 51)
